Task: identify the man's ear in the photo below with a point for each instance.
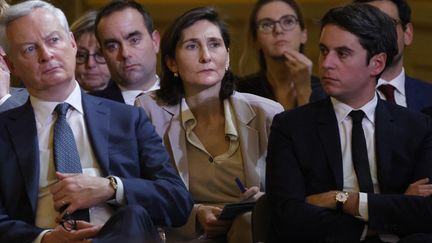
(408, 34)
(9, 65)
(377, 64)
(156, 40)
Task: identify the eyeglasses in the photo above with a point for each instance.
(287, 22)
(82, 57)
(68, 222)
(396, 21)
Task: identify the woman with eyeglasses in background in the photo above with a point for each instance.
(91, 70)
(278, 34)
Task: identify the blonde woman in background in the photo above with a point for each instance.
(91, 69)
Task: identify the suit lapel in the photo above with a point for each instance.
(23, 133)
(177, 141)
(410, 94)
(330, 139)
(384, 126)
(97, 119)
(249, 140)
(113, 92)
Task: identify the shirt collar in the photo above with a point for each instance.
(398, 82)
(44, 109)
(155, 86)
(230, 128)
(342, 110)
(129, 95)
(189, 121)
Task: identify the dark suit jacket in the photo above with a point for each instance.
(304, 158)
(18, 97)
(111, 92)
(258, 84)
(418, 94)
(125, 144)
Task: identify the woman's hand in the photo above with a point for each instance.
(251, 194)
(300, 67)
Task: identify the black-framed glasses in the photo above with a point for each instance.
(82, 57)
(68, 222)
(286, 22)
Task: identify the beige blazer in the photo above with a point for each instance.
(254, 116)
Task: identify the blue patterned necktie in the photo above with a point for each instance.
(66, 155)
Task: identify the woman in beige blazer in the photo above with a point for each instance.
(212, 133)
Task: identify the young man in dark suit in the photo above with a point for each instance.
(74, 167)
(351, 167)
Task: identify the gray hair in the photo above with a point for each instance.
(23, 9)
(85, 24)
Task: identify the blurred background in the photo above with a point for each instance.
(418, 56)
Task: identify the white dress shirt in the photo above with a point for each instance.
(130, 95)
(4, 98)
(350, 182)
(45, 118)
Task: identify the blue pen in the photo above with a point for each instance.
(240, 184)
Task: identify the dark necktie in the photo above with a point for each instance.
(388, 92)
(66, 155)
(359, 152)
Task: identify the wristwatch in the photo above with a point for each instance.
(113, 184)
(341, 198)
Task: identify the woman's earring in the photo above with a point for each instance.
(226, 68)
(175, 75)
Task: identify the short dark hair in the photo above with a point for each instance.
(374, 29)
(119, 5)
(171, 88)
(253, 25)
(402, 6)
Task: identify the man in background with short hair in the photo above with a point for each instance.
(130, 45)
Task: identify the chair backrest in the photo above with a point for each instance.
(261, 220)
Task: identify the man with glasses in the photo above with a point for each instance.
(74, 167)
(394, 85)
(130, 44)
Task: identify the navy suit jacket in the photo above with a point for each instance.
(125, 144)
(111, 92)
(304, 158)
(418, 94)
(18, 97)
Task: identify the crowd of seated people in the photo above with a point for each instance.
(100, 148)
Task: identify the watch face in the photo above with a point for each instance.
(341, 197)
